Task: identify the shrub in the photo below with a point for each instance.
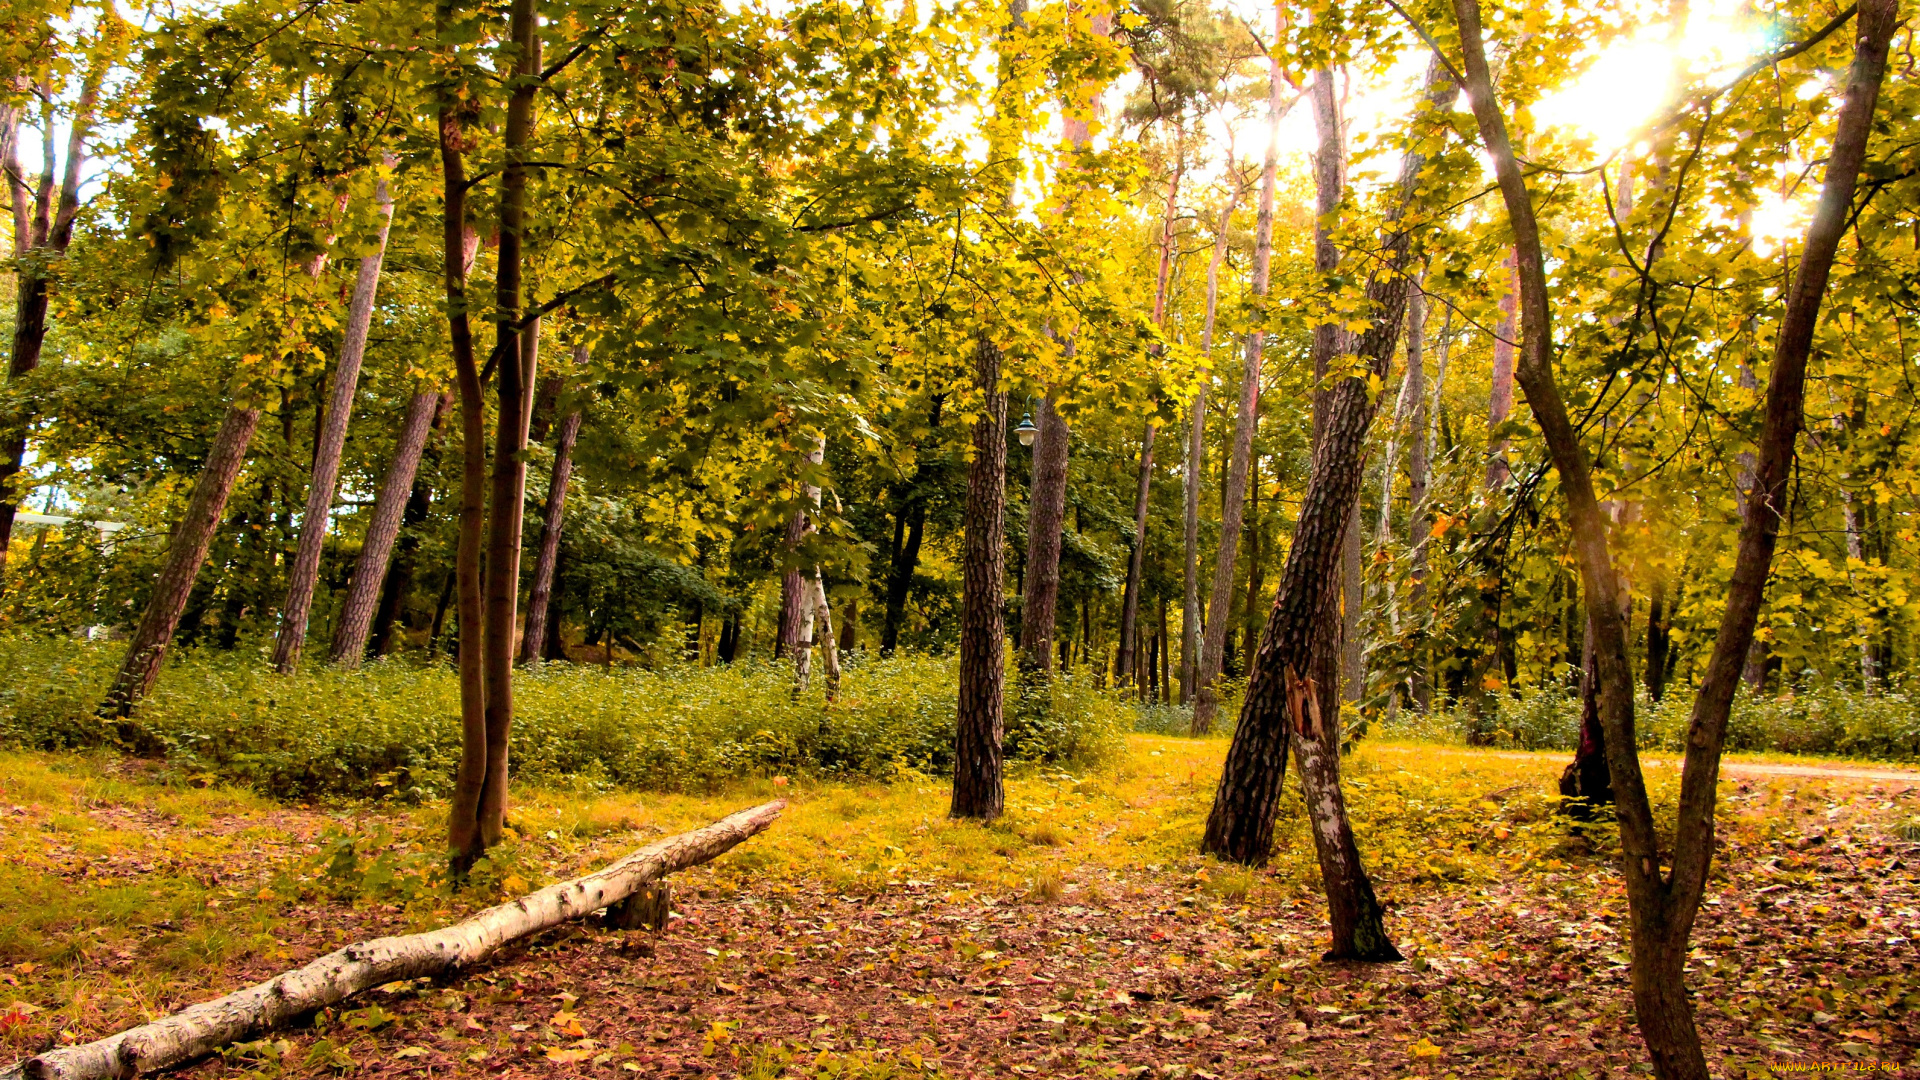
(393, 728)
(1830, 720)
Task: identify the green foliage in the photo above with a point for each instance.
(1829, 720)
(392, 730)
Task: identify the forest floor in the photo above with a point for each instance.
(867, 936)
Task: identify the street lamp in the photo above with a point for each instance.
(1026, 431)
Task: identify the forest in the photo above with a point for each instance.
(960, 538)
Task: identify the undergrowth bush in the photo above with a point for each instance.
(1836, 721)
(393, 728)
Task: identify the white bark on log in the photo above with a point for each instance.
(204, 1028)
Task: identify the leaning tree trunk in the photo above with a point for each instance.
(1662, 906)
(1284, 695)
(305, 572)
(533, 645)
(1206, 703)
(383, 530)
(977, 788)
(205, 1028)
(148, 647)
(37, 243)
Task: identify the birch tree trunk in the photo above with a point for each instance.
(1663, 905)
(376, 551)
(304, 574)
(1195, 469)
(533, 644)
(188, 550)
(1206, 702)
(813, 593)
(205, 1028)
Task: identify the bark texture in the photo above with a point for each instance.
(148, 647)
(339, 975)
(1663, 905)
(1137, 558)
(1191, 616)
(978, 790)
(304, 574)
(376, 551)
(1284, 695)
(533, 643)
(1206, 702)
(1046, 523)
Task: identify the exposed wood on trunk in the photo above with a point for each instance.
(1663, 906)
(533, 644)
(1295, 643)
(186, 551)
(333, 978)
(1206, 702)
(304, 574)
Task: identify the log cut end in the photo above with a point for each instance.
(647, 908)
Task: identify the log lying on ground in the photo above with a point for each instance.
(339, 975)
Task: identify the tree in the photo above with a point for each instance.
(1298, 650)
(326, 456)
(1662, 903)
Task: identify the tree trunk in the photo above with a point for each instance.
(910, 526)
(188, 549)
(533, 643)
(1852, 518)
(1195, 469)
(978, 791)
(1206, 703)
(1500, 395)
(203, 1029)
(1663, 906)
(1284, 695)
(1659, 637)
(813, 593)
(465, 839)
(1137, 557)
(1256, 568)
(1046, 522)
(304, 574)
(389, 508)
(37, 244)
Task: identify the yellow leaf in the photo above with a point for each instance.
(1424, 1049)
(568, 1055)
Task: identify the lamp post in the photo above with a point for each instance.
(1026, 431)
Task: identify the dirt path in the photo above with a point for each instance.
(1729, 767)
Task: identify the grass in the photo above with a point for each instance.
(127, 892)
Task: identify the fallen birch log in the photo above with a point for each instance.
(204, 1028)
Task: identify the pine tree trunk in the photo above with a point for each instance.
(304, 574)
(1206, 702)
(37, 243)
(1256, 569)
(978, 791)
(185, 553)
(389, 507)
(1285, 696)
(1136, 562)
(533, 644)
